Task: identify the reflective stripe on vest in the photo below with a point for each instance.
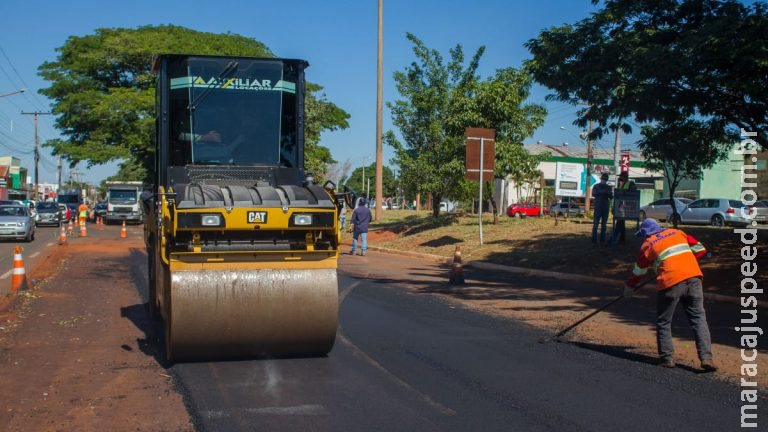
(672, 251)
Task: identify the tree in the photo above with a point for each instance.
(103, 92)
(672, 60)
(439, 101)
(356, 183)
(668, 148)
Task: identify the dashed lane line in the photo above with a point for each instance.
(35, 254)
(6, 274)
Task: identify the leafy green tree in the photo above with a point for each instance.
(664, 63)
(355, 180)
(439, 101)
(667, 148)
(103, 92)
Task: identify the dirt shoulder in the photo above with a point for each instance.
(74, 351)
(561, 246)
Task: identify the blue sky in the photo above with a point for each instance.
(337, 37)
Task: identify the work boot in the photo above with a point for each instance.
(667, 363)
(362, 253)
(708, 366)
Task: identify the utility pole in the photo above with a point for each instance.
(58, 167)
(37, 152)
(588, 192)
(379, 105)
(617, 149)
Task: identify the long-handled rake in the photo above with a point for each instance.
(591, 314)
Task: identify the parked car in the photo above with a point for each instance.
(713, 211)
(48, 214)
(561, 208)
(761, 211)
(660, 208)
(524, 209)
(17, 222)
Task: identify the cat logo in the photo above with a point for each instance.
(257, 217)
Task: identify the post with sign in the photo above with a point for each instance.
(625, 163)
(481, 157)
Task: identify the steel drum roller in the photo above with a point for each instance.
(252, 313)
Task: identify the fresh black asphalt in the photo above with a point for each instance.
(405, 361)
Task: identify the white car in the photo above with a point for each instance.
(660, 208)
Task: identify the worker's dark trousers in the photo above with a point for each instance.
(601, 216)
(690, 293)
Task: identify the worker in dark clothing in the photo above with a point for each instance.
(602, 194)
(361, 217)
(619, 226)
(674, 256)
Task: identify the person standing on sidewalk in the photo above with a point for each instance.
(619, 226)
(674, 254)
(602, 194)
(361, 217)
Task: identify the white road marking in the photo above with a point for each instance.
(435, 404)
(49, 244)
(6, 274)
(35, 254)
(289, 410)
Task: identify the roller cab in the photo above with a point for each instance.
(242, 246)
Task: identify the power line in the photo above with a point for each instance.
(34, 96)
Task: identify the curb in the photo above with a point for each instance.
(482, 265)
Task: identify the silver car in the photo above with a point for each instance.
(760, 208)
(660, 208)
(712, 211)
(16, 221)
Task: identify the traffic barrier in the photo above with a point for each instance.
(63, 235)
(457, 269)
(83, 230)
(19, 278)
(123, 232)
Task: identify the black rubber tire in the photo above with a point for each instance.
(717, 221)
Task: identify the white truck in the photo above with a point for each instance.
(123, 202)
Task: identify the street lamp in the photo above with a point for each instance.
(22, 90)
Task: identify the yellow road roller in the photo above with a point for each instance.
(242, 244)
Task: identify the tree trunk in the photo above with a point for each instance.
(675, 214)
(435, 205)
(418, 201)
(495, 212)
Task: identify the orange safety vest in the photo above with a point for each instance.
(83, 211)
(673, 254)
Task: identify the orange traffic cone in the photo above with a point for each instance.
(99, 224)
(63, 235)
(19, 279)
(69, 228)
(457, 269)
(83, 230)
(123, 232)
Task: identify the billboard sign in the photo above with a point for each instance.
(570, 179)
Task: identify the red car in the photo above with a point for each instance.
(527, 209)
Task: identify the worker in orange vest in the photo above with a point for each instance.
(674, 254)
(82, 213)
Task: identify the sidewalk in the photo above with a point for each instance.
(625, 330)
